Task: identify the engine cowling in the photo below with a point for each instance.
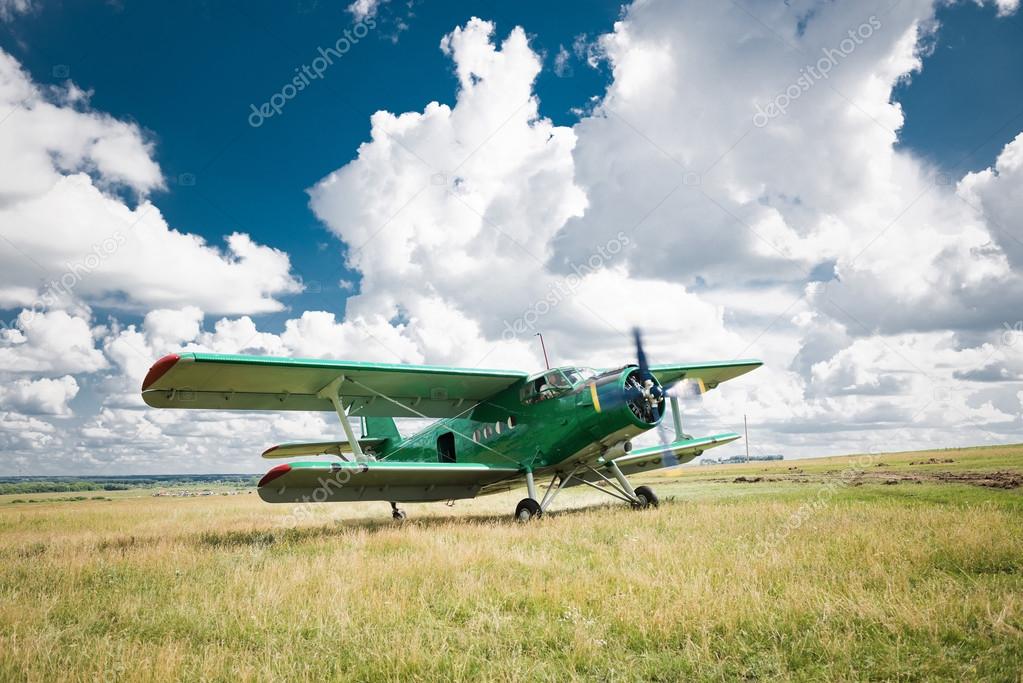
(638, 398)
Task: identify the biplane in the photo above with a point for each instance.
(494, 430)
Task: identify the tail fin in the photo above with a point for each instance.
(381, 428)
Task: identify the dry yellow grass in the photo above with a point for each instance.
(724, 581)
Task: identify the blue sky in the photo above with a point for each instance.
(865, 242)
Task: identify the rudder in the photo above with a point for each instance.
(381, 428)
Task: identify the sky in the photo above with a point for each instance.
(833, 188)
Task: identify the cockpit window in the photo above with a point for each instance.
(557, 380)
(547, 385)
(553, 383)
(579, 375)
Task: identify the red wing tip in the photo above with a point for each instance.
(159, 369)
(278, 471)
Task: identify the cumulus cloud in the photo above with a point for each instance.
(50, 342)
(997, 193)
(446, 206)
(42, 396)
(72, 237)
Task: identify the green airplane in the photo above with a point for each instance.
(495, 431)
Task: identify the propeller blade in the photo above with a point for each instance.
(644, 367)
(670, 459)
(686, 389)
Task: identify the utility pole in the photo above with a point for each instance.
(745, 428)
(545, 361)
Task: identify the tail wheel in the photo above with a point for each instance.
(527, 509)
(647, 497)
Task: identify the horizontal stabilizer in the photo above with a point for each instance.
(290, 450)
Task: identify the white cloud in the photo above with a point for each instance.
(365, 9)
(446, 207)
(11, 8)
(71, 238)
(39, 397)
(50, 342)
(562, 66)
(1005, 7)
(997, 193)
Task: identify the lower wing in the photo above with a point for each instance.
(324, 482)
(656, 457)
(675, 453)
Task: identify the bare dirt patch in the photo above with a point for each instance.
(996, 480)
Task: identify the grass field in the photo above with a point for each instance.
(860, 568)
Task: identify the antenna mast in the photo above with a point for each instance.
(542, 346)
(745, 428)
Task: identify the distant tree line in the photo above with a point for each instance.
(18, 485)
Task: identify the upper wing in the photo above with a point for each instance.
(216, 381)
(321, 482)
(712, 373)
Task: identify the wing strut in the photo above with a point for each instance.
(332, 392)
(676, 415)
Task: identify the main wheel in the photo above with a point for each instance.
(527, 509)
(399, 515)
(647, 497)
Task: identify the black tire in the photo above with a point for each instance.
(647, 496)
(527, 509)
(398, 515)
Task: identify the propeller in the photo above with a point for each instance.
(645, 396)
(649, 390)
(652, 391)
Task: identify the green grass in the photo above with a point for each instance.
(770, 580)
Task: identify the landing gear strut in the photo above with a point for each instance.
(397, 513)
(528, 508)
(616, 486)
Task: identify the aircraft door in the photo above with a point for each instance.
(446, 447)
